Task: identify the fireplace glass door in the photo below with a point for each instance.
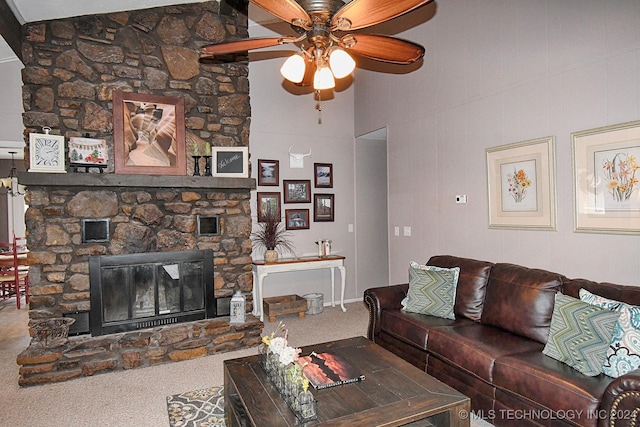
(144, 291)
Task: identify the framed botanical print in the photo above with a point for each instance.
(521, 185)
(46, 152)
(606, 171)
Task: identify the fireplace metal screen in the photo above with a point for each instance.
(137, 291)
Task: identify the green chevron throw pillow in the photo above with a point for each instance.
(580, 334)
(432, 290)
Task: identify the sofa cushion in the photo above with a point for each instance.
(474, 348)
(432, 290)
(412, 327)
(580, 334)
(532, 376)
(472, 283)
(598, 301)
(520, 300)
(623, 353)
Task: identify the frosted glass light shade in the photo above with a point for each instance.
(293, 68)
(323, 79)
(341, 63)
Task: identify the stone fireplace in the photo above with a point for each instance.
(72, 68)
(151, 214)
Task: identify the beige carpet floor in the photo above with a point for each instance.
(137, 397)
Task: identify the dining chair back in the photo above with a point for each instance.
(14, 270)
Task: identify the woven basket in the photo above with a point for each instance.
(52, 332)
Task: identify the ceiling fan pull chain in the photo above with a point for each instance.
(319, 107)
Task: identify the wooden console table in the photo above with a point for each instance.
(262, 269)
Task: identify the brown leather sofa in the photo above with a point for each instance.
(492, 351)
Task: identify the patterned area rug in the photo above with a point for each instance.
(200, 408)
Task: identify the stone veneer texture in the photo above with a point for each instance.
(72, 67)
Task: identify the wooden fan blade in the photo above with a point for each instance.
(287, 10)
(241, 45)
(384, 48)
(364, 13)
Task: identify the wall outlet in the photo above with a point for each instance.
(461, 198)
(407, 231)
(350, 228)
(396, 231)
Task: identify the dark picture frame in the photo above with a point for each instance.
(267, 202)
(297, 190)
(268, 172)
(323, 175)
(230, 162)
(296, 219)
(323, 207)
(148, 134)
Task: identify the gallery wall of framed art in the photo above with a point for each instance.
(300, 192)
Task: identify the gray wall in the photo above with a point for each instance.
(279, 119)
(497, 73)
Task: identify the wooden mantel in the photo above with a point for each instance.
(76, 179)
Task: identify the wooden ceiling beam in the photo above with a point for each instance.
(10, 29)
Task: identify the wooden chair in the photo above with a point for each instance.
(14, 271)
(7, 275)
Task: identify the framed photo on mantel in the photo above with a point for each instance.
(148, 134)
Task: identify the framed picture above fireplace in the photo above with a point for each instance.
(148, 134)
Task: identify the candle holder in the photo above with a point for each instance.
(207, 165)
(196, 165)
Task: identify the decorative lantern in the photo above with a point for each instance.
(237, 308)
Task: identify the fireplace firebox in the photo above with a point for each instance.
(146, 290)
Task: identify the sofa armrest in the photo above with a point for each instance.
(621, 401)
(379, 299)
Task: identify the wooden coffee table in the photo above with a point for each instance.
(394, 393)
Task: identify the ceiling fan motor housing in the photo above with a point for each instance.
(312, 6)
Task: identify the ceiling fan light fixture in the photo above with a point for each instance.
(323, 79)
(293, 68)
(342, 64)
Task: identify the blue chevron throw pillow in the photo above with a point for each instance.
(580, 334)
(432, 290)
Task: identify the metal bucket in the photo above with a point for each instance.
(315, 303)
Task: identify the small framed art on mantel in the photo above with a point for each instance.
(230, 162)
(148, 134)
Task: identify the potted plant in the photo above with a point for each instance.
(271, 234)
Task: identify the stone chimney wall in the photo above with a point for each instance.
(72, 68)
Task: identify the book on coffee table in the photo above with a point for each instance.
(325, 370)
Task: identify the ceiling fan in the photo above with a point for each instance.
(326, 39)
